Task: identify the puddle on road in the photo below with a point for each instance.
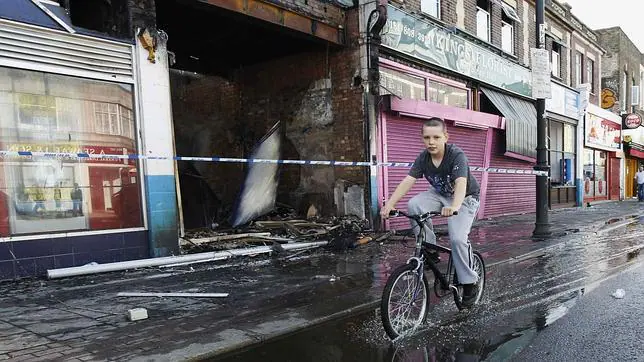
(361, 338)
(520, 300)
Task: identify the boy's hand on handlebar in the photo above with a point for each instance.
(385, 211)
(448, 211)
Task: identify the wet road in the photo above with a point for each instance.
(521, 299)
(613, 325)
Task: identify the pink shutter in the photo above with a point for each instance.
(506, 193)
(403, 143)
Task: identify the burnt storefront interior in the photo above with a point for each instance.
(237, 69)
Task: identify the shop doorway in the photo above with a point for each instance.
(630, 184)
(595, 175)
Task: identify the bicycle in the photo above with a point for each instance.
(414, 271)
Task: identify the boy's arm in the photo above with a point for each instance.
(460, 186)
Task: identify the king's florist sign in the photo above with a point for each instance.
(434, 44)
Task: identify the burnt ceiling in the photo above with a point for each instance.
(210, 40)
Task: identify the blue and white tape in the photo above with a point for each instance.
(63, 155)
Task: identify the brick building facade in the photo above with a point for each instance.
(622, 79)
(504, 32)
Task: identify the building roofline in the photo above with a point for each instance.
(622, 33)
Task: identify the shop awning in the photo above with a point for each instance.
(520, 122)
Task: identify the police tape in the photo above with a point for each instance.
(64, 155)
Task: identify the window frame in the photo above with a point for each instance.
(486, 12)
(437, 5)
(555, 48)
(562, 152)
(580, 70)
(590, 74)
(507, 22)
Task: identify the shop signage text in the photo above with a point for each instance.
(602, 133)
(434, 44)
(564, 101)
(541, 82)
(632, 120)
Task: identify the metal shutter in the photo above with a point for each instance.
(403, 143)
(47, 50)
(508, 194)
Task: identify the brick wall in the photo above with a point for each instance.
(589, 51)
(470, 15)
(448, 12)
(622, 56)
(529, 27)
(142, 13)
(316, 9)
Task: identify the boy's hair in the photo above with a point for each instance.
(435, 122)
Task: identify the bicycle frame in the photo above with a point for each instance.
(420, 258)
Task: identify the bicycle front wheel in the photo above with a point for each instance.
(405, 300)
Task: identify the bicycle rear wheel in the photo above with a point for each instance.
(405, 300)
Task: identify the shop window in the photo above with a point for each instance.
(562, 154)
(447, 94)
(431, 7)
(402, 84)
(483, 19)
(419, 87)
(594, 173)
(507, 34)
(55, 113)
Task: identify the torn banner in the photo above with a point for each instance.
(259, 191)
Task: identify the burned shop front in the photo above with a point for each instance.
(255, 79)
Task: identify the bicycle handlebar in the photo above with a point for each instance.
(421, 216)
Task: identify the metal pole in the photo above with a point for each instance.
(542, 224)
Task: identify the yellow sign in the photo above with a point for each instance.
(608, 98)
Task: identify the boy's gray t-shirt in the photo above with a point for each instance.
(453, 166)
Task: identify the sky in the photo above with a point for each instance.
(598, 14)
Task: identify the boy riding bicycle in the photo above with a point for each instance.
(454, 188)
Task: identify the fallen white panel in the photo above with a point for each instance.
(183, 259)
(185, 295)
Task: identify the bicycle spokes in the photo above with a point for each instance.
(407, 302)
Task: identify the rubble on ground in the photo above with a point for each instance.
(283, 226)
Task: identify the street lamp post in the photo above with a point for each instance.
(542, 224)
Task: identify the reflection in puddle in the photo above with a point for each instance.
(521, 299)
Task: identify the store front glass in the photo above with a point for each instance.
(43, 112)
(595, 175)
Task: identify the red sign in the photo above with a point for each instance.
(632, 121)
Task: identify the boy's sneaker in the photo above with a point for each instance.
(470, 291)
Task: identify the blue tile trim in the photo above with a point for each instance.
(162, 215)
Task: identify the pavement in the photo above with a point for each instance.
(81, 318)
